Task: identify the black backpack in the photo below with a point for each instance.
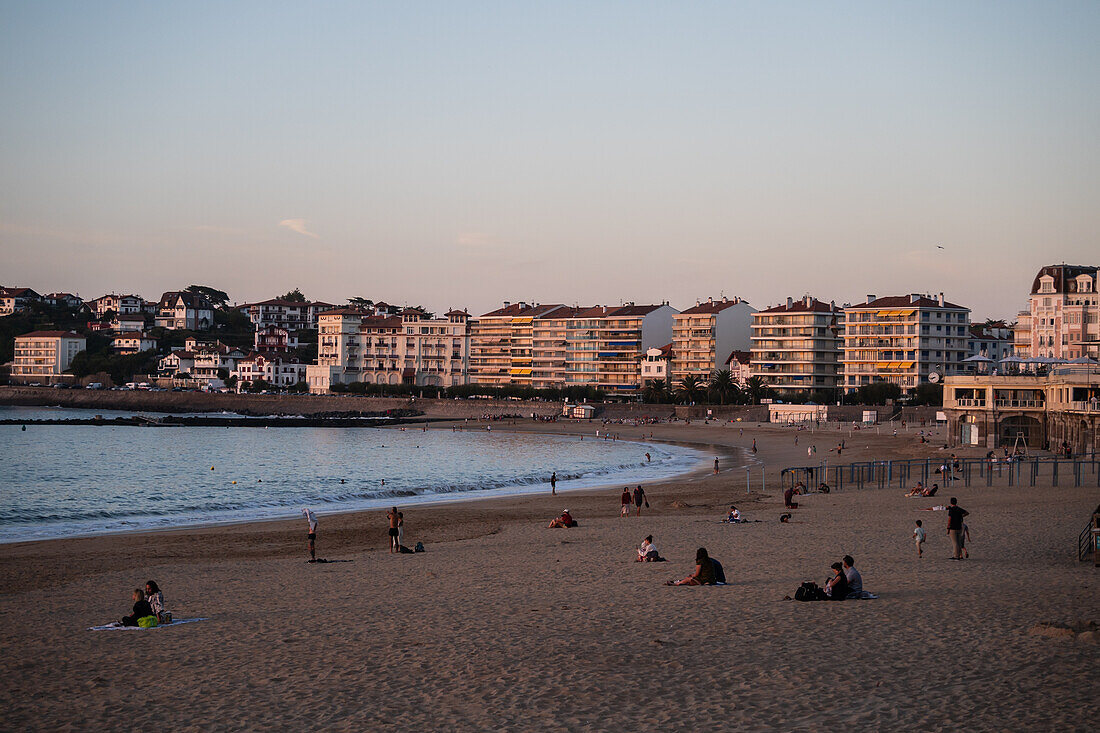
(808, 592)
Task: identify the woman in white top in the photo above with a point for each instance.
(647, 552)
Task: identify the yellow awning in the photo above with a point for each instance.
(520, 372)
(882, 365)
(522, 320)
(909, 312)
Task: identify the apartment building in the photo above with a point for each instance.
(274, 338)
(796, 346)
(705, 334)
(43, 356)
(1063, 316)
(125, 322)
(359, 345)
(289, 314)
(502, 344)
(604, 344)
(202, 360)
(16, 299)
(117, 304)
(181, 309)
(993, 340)
(903, 339)
(549, 349)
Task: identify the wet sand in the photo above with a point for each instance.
(505, 624)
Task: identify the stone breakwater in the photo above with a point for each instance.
(249, 404)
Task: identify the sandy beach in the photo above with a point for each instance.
(505, 624)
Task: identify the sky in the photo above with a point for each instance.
(459, 154)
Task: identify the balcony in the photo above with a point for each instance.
(1020, 404)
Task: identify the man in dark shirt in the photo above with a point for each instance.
(955, 514)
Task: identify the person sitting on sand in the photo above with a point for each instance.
(565, 520)
(155, 599)
(836, 587)
(855, 580)
(824, 488)
(704, 571)
(142, 609)
(647, 551)
(734, 517)
(917, 490)
(788, 495)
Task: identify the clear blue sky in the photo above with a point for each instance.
(461, 153)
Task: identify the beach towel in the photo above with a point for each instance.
(860, 595)
(116, 626)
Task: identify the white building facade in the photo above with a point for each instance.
(43, 356)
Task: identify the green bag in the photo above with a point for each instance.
(147, 622)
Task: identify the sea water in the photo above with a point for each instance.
(74, 480)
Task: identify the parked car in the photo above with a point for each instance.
(94, 385)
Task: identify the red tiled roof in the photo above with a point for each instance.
(457, 313)
(799, 306)
(522, 310)
(380, 322)
(743, 357)
(904, 301)
(50, 335)
(17, 292)
(715, 307)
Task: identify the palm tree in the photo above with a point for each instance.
(689, 388)
(656, 391)
(756, 388)
(721, 384)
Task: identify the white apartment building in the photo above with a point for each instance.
(289, 314)
(117, 304)
(356, 345)
(180, 309)
(796, 346)
(278, 370)
(274, 338)
(43, 356)
(132, 342)
(1063, 316)
(903, 339)
(125, 322)
(16, 299)
(703, 335)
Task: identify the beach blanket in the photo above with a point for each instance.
(116, 626)
(860, 596)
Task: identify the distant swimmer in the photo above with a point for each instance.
(647, 458)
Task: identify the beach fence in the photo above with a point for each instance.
(904, 474)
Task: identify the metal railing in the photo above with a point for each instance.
(905, 473)
(1085, 542)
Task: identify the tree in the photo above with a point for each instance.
(755, 388)
(656, 391)
(218, 297)
(689, 389)
(358, 302)
(721, 384)
(294, 296)
(877, 393)
(927, 394)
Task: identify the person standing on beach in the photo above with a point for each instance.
(918, 535)
(394, 517)
(625, 500)
(639, 499)
(715, 466)
(554, 482)
(754, 445)
(955, 514)
(311, 520)
(400, 530)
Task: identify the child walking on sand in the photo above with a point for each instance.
(918, 535)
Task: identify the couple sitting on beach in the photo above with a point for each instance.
(919, 490)
(845, 584)
(148, 608)
(708, 571)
